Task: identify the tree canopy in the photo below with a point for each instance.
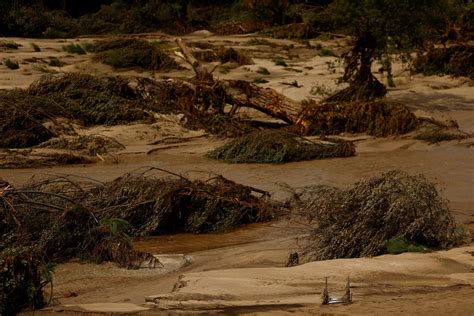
(382, 27)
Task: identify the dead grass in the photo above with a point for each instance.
(359, 221)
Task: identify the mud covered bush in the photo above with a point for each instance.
(273, 146)
(360, 221)
(457, 60)
(133, 52)
(378, 118)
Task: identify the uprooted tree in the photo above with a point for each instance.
(380, 28)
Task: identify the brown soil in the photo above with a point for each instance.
(243, 271)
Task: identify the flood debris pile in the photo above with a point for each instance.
(379, 118)
(133, 53)
(155, 205)
(55, 218)
(366, 219)
(275, 146)
(47, 215)
(456, 60)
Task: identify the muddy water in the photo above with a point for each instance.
(450, 166)
(188, 243)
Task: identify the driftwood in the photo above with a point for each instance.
(246, 94)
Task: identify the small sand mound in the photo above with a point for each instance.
(278, 147)
(363, 220)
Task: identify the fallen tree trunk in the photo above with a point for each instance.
(266, 100)
(246, 94)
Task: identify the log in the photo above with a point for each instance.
(246, 94)
(201, 73)
(266, 100)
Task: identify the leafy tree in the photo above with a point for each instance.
(380, 28)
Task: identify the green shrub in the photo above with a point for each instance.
(88, 47)
(260, 80)
(399, 245)
(326, 52)
(35, 47)
(55, 62)
(280, 62)
(74, 49)
(263, 71)
(11, 64)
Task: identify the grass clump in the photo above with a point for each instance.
(13, 65)
(392, 212)
(133, 53)
(326, 52)
(260, 80)
(273, 146)
(55, 62)
(35, 47)
(263, 71)
(280, 62)
(74, 49)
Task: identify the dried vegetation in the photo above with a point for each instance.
(360, 221)
(378, 118)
